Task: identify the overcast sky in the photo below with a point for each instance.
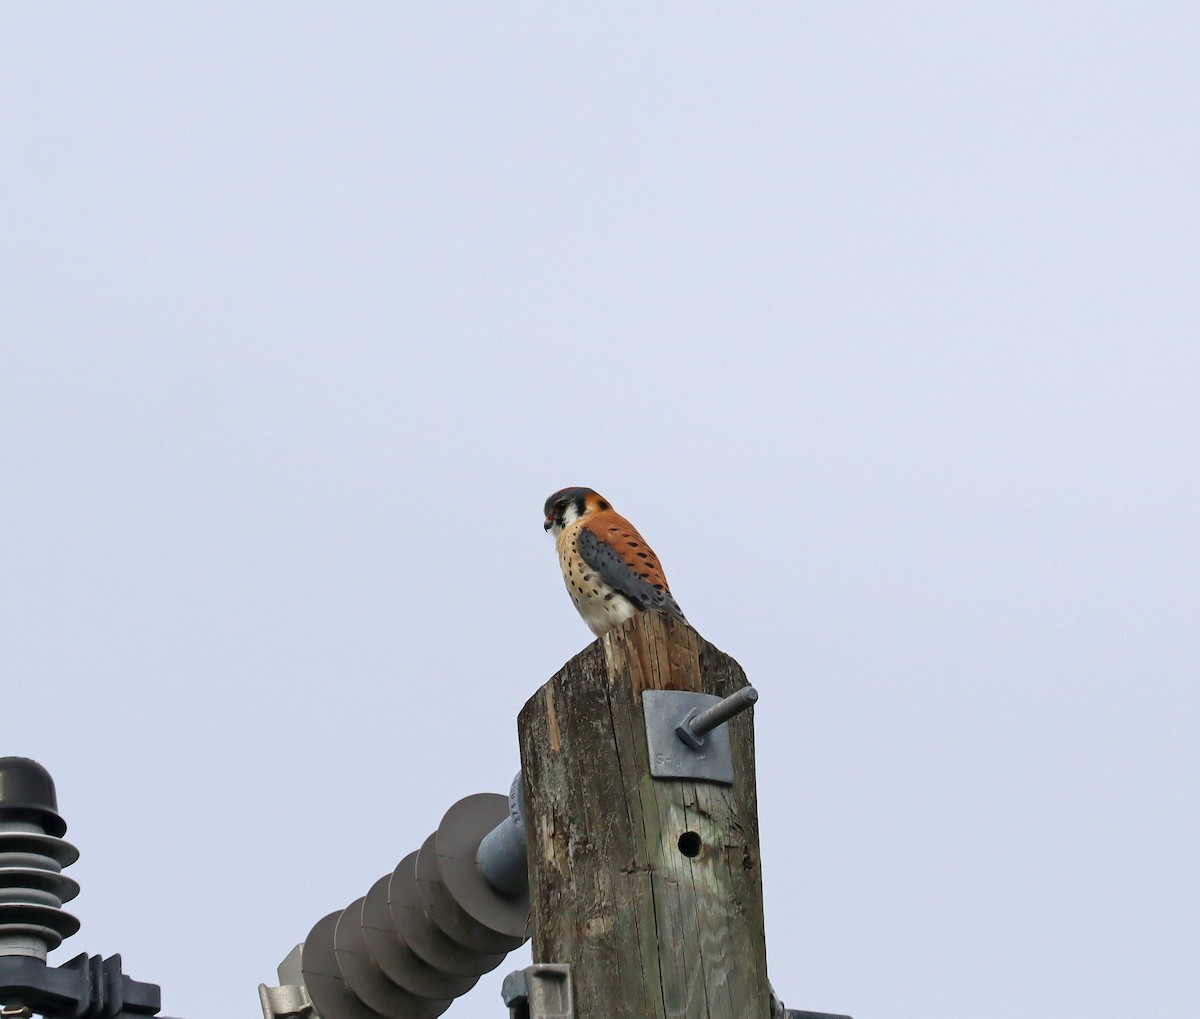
(879, 321)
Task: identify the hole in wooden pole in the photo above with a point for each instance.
(690, 844)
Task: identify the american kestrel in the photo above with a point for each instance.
(610, 571)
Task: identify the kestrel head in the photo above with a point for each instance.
(570, 504)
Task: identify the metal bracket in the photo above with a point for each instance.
(82, 986)
(290, 999)
(780, 1011)
(686, 734)
(795, 1013)
(541, 991)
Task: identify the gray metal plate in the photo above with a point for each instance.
(670, 757)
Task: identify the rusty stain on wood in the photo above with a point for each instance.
(552, 721)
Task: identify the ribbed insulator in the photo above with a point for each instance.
(32, 857)
(424, 934)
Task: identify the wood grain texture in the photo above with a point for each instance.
(649, 931)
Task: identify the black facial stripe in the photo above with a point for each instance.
(564, 496)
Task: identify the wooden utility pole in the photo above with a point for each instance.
(649, 888)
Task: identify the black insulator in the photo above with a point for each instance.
(32, 857)
(27, 794)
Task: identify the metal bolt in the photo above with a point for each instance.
(694, 727)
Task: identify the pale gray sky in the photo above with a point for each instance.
(880, 321)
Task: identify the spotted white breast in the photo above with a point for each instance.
(601, 605)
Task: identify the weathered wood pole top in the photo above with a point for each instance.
(649, 888)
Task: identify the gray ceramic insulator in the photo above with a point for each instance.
(422, 935)
(503, 853)
(32, 857)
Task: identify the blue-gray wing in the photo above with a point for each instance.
(646, 587)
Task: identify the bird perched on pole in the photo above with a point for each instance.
(610, 571)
